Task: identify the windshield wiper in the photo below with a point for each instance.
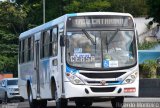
(88, 36)
(112, 37)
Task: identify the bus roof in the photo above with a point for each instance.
(63, 18)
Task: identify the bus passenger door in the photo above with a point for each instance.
(37, 68)
(61, 34)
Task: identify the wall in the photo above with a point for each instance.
(6, 76)
(149, 88)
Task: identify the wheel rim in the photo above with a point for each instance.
(56, 97)
(30, 96)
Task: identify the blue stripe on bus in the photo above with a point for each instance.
(73, 14)
(119, 82)
(68, 70)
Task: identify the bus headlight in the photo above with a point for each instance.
(131, 78)
(74, 79)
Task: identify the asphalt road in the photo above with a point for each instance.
(128, 103)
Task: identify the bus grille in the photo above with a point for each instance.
(99, 83)
(103, 75)
(104, 89)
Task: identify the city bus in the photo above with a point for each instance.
(81, 57)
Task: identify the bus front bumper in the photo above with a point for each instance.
(72, 91)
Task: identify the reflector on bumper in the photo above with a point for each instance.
(129, 90)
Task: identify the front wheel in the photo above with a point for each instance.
(117, 102)
(80, 103)
(61, 103)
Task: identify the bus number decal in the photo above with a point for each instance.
(82, 57)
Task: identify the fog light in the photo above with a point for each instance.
(128, 80)
(133, 76)
(77, 81)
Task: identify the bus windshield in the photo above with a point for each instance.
(103, 49)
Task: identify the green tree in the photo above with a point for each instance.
(154, 10)
(134, 7)
(86, 6)
(54, 9)
(12, 23)
(12, 17)
(34, 12)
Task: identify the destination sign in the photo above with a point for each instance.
(99, 21)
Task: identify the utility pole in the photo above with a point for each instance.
(44, 9)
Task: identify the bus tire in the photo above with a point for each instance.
(42, 103)
(117, 102)
(88, 104)
(80, 103)
(32, 102)
(53, 88)
(61, 103)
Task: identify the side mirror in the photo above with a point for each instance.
(3, 85)
(62, 41)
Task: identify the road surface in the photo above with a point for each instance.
(128, 103)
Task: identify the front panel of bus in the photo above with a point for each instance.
(101, 56)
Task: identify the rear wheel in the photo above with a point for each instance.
(35, 103)
(117, 102)
(32, 102)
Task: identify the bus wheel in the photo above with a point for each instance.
(61, 103)
(88, 104)
(117, 102)
(32, 102)
(80, 104)
(42, 103)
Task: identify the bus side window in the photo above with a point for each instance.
(45, 44)
(22, 51)
(55, 41)
(26, 50)
(30, 49)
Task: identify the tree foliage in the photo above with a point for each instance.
(134, 7)
(86, 6)
(154, 10)
(12, 23)
(25, 14)
(12, 17)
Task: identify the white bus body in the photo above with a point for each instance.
(54, 64)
